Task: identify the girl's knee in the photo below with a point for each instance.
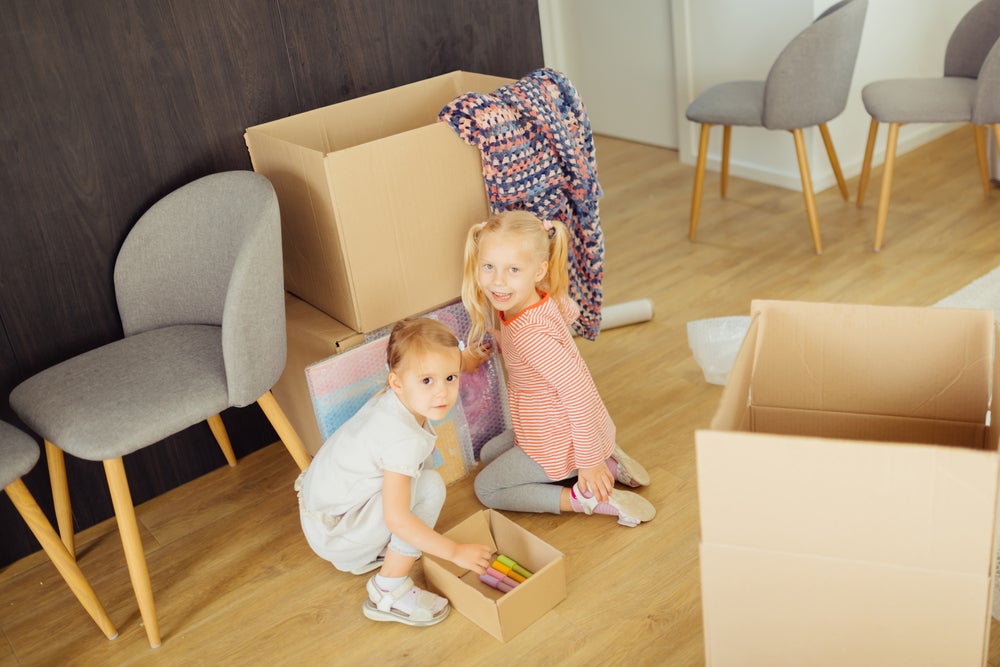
(484, 490)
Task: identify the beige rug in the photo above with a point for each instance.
(983, 292)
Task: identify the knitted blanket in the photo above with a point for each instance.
(538, 155)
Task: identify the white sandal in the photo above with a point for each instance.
(379, 605)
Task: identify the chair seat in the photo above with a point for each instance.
(18, 453)
(941, 100)
(128, 394)
(730, 103)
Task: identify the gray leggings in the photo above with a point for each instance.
(511, 480)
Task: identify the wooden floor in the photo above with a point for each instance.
(236, 584)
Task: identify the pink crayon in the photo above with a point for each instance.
(500, 576)
(493, 582)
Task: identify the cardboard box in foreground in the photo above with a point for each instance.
(376, 198)
(848, 489)
(503, 615)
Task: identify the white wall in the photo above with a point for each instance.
(725, 40)
(619, 56)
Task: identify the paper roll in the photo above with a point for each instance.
(623, 314)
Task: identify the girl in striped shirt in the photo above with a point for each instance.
(515, 288)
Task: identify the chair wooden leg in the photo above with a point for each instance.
(834, 162)
(699, 180)
(222, 437)
(60, 495)
(883, 198)
(727, 130)
(285, 430)
(135, 557)
(866, 166)
(64, 561)
(984, 168)
(807, 190)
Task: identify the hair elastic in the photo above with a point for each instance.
(549, 228)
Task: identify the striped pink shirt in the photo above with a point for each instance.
(558, 416)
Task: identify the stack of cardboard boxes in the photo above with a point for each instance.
(376, 197)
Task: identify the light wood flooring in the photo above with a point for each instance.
(236, 584)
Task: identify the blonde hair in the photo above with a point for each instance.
(414, 335)
(550, 240)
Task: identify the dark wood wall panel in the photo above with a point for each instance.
(108, 106)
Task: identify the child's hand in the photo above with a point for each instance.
(597, 480)
(475, 557)
(472, 358)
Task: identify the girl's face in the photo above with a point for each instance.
(508, 272)
(426, 382)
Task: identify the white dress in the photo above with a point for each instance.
(340, 493)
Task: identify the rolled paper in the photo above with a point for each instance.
(623, 314)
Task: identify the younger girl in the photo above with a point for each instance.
(369, 501)
(515, 286)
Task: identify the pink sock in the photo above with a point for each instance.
(599, 508)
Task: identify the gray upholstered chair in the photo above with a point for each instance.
(806, 86)
(969, 92)
(200, 293)
(18, 455)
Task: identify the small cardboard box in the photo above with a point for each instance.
(312, 336)
(503, 615)
(376, 198)
(848, 489)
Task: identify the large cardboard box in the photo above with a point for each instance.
(503, 615)
(376, 197)
(312, 336)
(848, 489)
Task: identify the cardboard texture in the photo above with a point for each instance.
(376, 198)
(848, 489)
(503, 615)
(312, 336)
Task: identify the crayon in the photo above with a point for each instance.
(512, 564)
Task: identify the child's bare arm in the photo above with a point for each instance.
(403, 523)
(471, 359)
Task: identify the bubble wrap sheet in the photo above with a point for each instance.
(341, 384)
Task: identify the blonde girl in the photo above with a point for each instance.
(369, 500)
(515, 287)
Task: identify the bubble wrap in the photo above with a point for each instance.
(341, 384)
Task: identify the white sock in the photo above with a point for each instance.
(388, 584)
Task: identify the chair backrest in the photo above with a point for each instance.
(18, 453)
(210, 253)
(809, 82)
(972, 39)
(986, 108)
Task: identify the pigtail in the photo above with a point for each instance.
(475, 302)
(557, 278)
